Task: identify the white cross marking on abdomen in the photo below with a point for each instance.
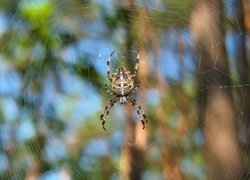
(122, 82)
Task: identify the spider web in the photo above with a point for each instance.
(53, 70)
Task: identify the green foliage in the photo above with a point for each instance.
(38, 13)
(175, 14)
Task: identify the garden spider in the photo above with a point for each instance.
(122, 85)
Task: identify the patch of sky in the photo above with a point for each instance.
(75, 109)
(52, 152)
(98, 51)
(168, 65)
(189, 65)
(3, 23)
(229, 8)
(5, 135)
(198, 137)
(10, 82)
(153, 97)
(155, 5)
(48, 93)
(168, 61)
(50, 175)
(97, 147)
(105, 3)
(231, 41)
(96, 27)
(88, 163)
(73, 84)
(4, 163)
(168, 57)
(9, 108)
(187, 37)
(26, 130)
(188, 55)
(190, 166)
(79, 102)
(115, 176)
(9, 21)
(4, 65)
(69, 54)
(37, 52)
(116, 140)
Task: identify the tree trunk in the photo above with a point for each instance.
(246, 15)
(217, 114)
(241, 14)
(132, 157)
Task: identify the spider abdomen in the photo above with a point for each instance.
(122, 82)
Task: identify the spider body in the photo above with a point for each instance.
(122, 85)
(122, 82)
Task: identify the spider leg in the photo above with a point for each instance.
(107, 108)
(136, 88)
(108, 65)
(107, 90)
(140, 112)
(136, 64)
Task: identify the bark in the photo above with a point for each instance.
(133, 154)
(246, 15)
(216, 113)
(171, 159)
(242, 13)
(240, 40)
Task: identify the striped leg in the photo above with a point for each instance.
(136, 64)
(107, 90)
(108, 65)
(140, 112)
(105, 113)
(136, 88)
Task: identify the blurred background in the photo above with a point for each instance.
(194, 70)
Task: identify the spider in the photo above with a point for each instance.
(122, 85)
